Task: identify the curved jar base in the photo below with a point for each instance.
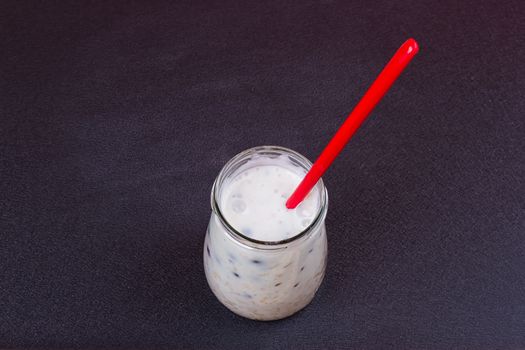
(275, 315)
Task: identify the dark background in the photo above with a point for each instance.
(115, 119)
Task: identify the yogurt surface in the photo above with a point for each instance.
(253, 202)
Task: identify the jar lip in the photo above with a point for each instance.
(255, 243)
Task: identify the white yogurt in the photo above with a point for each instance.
(265, 282)
(254, 203)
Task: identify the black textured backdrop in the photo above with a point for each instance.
(116, 117)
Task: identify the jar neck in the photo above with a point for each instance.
(267, 155)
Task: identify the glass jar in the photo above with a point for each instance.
(265, 280)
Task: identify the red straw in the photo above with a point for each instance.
(386, 78)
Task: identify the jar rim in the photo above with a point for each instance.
(255, 243)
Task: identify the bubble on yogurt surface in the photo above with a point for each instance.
(304, 212)
(238, 206)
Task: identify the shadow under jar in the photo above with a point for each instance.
(262, 260)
